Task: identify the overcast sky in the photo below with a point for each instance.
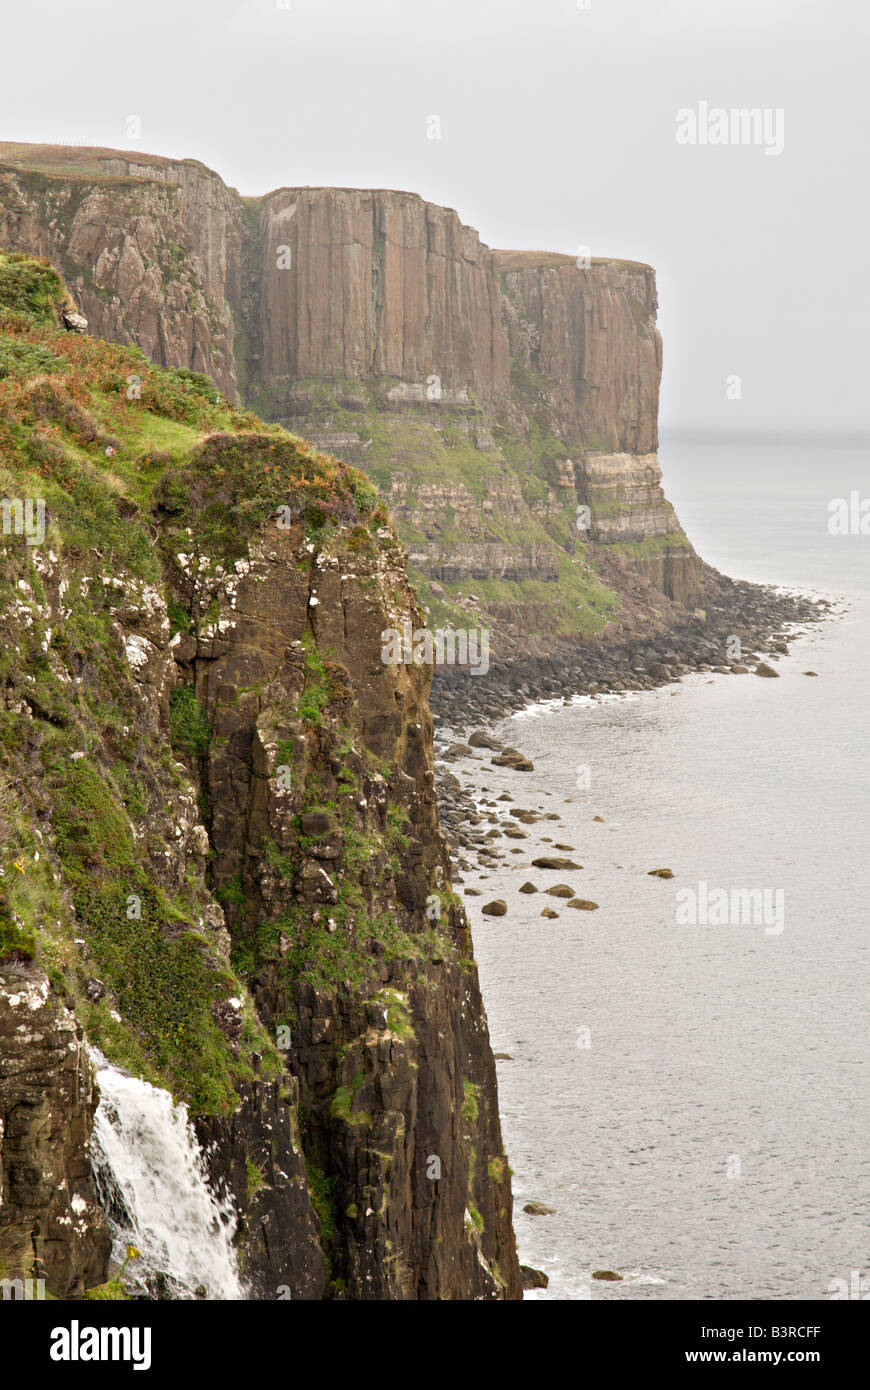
(558, 129)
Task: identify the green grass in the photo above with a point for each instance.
(31, 287)
(188, 722)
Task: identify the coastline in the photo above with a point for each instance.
(743, 624)
(501, 819)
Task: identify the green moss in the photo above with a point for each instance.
(321, 1188)
(110, 1292)
(16, 943)
(469, 1104)
(341, 1106)
(31, 287)
(254, 1176)
(188, 722)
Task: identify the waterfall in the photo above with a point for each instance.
(151, 1179)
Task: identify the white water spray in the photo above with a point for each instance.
(152, 1182)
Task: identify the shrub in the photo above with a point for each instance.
(188, 722)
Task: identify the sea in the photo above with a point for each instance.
(687, 1084)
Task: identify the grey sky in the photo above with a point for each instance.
(557, 130)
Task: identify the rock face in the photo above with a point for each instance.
(492, 395)
(51, 1227)
(150, 251)
(219, 829)
(590, 333)
(385, 1067)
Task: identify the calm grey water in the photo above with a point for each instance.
(711, 1140)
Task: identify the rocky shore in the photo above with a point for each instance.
(743, 631)
(743, 626)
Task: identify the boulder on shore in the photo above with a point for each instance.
(497, 908)
(513, 759)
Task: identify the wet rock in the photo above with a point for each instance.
(660, 873)
(497, 908)
(528, 888)
(481, 739)
(548, 912)
(583, 904)
(547, 861)
(810, 673)
(560, 890)
(533, 1278)
(763, 669)
(538, 1209)
(606, 1274)
(514, 760)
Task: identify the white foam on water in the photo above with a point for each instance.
(152, 1180)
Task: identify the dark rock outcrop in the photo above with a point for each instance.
(505, 402)
(51, 1226)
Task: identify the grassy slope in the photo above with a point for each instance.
(76, 773)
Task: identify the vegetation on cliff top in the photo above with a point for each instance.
(112, 447)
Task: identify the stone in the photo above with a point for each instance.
(538, 1209)
(763, 669)
(73, 322)
(528, 888)
(497, 908)
(660, 873)
(554, 862)
(606, 1274)
(560, 890)
(533, 1278)
(548, 912)
(480, 739)
(513, 760)
(583, 905)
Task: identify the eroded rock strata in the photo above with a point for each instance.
(492, 395)
(221, 859)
